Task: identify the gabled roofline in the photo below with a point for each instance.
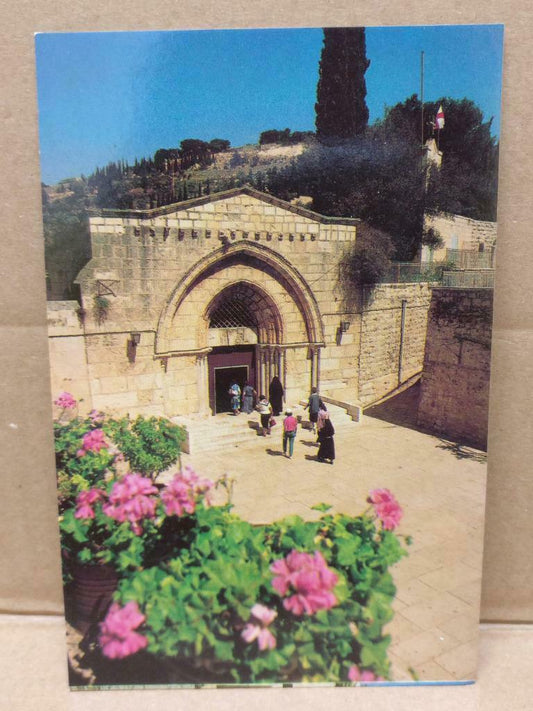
(214, 197)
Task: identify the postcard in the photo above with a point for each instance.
(269, 261)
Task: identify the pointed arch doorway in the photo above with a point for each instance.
(245, 335)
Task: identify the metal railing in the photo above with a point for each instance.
(469, 278)
(408, 272)
(471, 258)
(442, 273)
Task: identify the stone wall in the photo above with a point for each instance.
(459, 232)
(161, 274)
(160, 270)
(67, 353)
(455, 381)
(393, 334)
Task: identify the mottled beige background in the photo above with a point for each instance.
(29, 564)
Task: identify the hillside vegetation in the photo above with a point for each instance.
(379, 176)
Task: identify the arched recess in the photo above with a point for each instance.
(248, 255)
(244, 304)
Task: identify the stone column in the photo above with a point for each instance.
(269, 366)
(202, 384)
(261, 376)
(312, 373)
(278, 364)
(283, 368)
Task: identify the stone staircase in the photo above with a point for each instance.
(225, 432)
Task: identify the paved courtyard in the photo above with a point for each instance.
(441, 487)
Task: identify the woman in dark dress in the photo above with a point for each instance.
(326, 451)
(275, 395)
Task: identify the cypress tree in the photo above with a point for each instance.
(341, 110)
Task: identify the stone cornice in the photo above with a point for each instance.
(224, 195)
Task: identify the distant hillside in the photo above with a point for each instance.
(169, 177)
(379, 177)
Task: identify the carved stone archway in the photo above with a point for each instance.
(261, 265)
(279, 308)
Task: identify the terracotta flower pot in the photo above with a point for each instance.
(90, 593)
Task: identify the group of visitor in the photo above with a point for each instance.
(271, 407)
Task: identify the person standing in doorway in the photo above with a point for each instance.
(290, 426)
(275, 394)
(235, 393)
(326, 450)
(313, 405)
(248, 395)
(265, 413)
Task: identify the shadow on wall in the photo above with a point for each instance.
(402, 409)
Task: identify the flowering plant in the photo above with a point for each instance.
(150, 445)
(128, 521)
(290, 601)
(90, 449)
(202, 592)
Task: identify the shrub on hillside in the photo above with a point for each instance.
(369, 260)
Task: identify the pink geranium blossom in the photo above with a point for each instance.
(256, 629)
(356, 674)
(65, 401)
(85, 501)
(92, 441)
(182, 493)
(96, 417)
(308, 578)
(386, 507)
(117, 636)
(131, 500)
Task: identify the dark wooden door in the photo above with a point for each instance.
(227, 366)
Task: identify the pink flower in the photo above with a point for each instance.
(381, 496)
(85, 501)
(309, 578)
(117, 636)
(92, 441)
(356, 674)
(96, 417)
(386, 508)
(131, 500)
(65, 401)
(182, 493)
(257, 628)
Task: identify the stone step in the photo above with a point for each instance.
(226, 431)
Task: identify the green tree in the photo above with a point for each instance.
(67, 243)
(341, 110)
(275, 135)
(467, 182)
(193, 151)
(219, 144)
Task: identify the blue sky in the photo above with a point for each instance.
(111, 96)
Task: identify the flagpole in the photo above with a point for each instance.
(422, 96)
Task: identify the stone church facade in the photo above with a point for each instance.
(179, 301)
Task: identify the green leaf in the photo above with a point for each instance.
(224, 651)
(347, 549)
(321, 507)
